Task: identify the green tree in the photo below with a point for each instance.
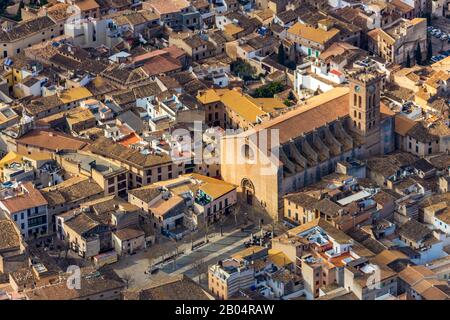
(243, 69)
(291, 64)
(429, 50)
(269, 90)
(281, 55)
(428, 17)
(408, 61)
(3, 5)
(418, 54)
(291, 96)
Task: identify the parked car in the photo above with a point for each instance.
(437, 58)
(435, 31)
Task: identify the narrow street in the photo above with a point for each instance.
(219, 247)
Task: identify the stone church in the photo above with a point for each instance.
(296, 149)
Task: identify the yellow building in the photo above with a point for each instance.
(109, 176)
(62, 101)
(313, 41)
(31, 161)
(13, 39)
(399, 40)
(433, 91)
(234, 109)
(233, 31)
(74, 95)
(80, 119)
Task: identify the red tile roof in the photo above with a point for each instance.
(161, 65)
(131, 139)
(30, 198)
(51, 140)
(300, 121)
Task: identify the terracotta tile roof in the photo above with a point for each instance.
(26, 29)
(108, 149)
(42, 104)
(135, 18)
(78, 115)
(436, 293)
(81, 223)
(402, 6)
(175, 52)
(208, 96)
(385, 111)
(163, 207)
(435, 80)
(403, 124)
(146, 193)
(232, 29)
(59, 11)
(413, 230)
(243, 106)
(30, 198)
(87, 5)
(168, 6)
(9, 238)
(413, 274)
(175, 288)
(146, 56)
(161, 65)
(131, 139)
(75, 94)
(279, 258)
(444, 64)
(287, 16)
(215, 188)
(51, 140)
(129, 233)
(303, 200)
(93, 283)
(318, 111)
(71, 190)
(388, 256)
(313, 34)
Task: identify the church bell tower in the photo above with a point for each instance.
(364, 108)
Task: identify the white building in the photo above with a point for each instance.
(91, 33)
(28, 209)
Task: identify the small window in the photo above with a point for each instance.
(248, 152)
